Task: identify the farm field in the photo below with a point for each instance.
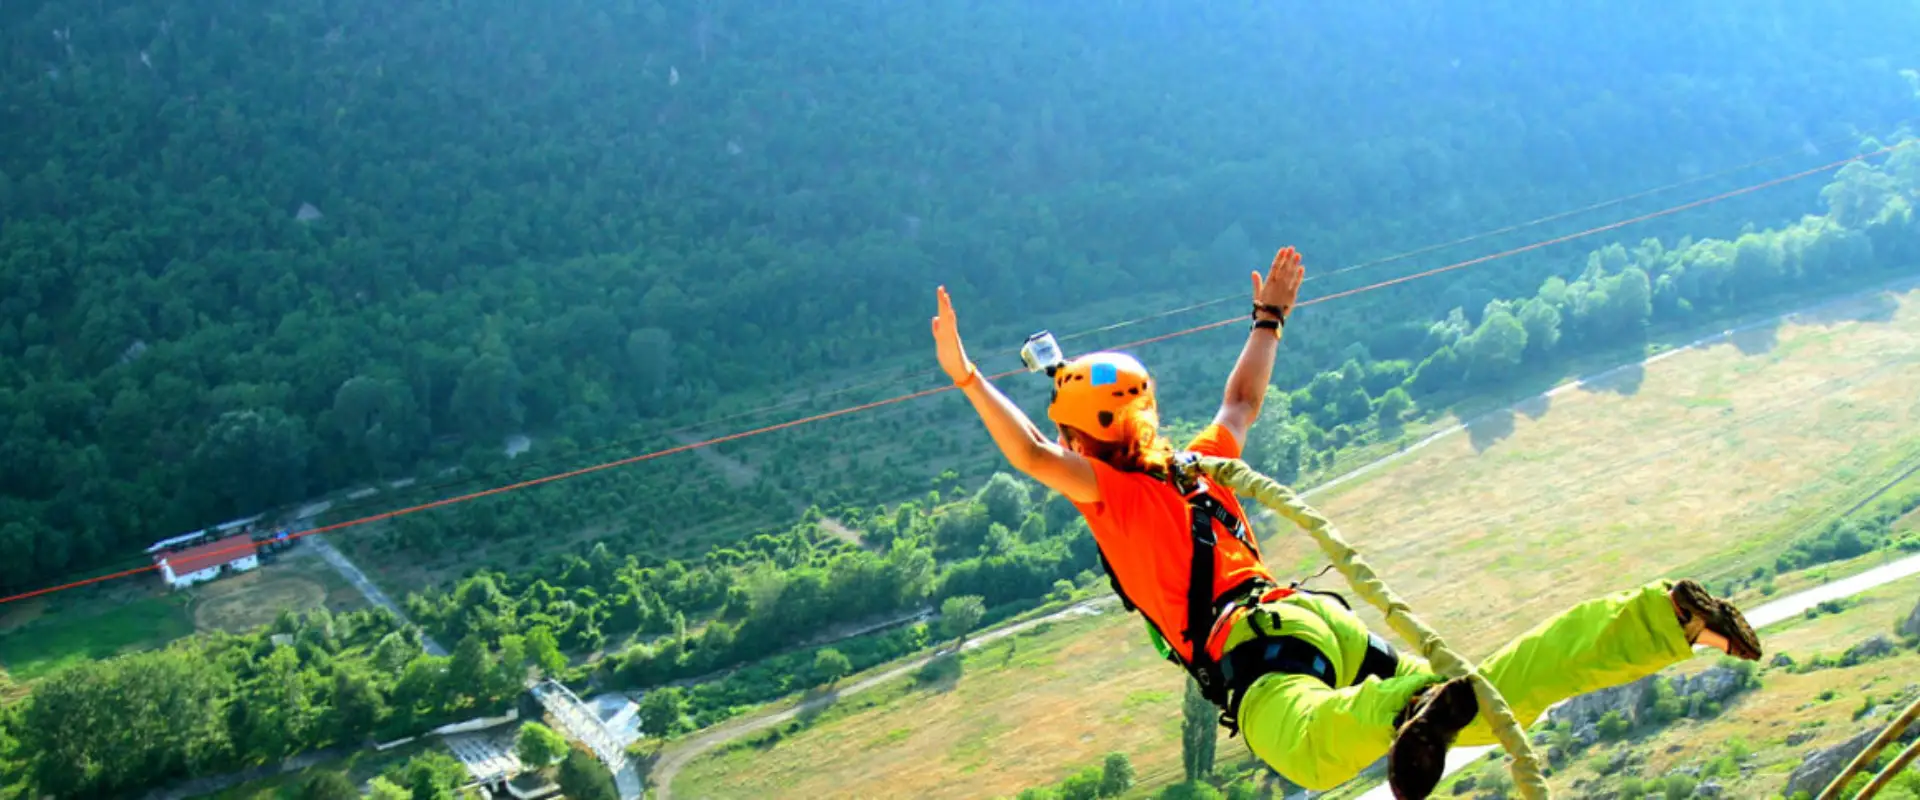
(1703, 463)
(38, 636)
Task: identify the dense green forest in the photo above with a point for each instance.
(601, 223)
(1008, 544)
(253, 254)
(216, 703)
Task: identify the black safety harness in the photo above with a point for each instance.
(1223, 682)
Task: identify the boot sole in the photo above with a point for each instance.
(1721, 618)
(1418, 757)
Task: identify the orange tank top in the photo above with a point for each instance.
(1144, 529)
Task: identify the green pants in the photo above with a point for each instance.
(1319, 737)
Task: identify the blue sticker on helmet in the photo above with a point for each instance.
(1104, 374)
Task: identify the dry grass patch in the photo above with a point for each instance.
(298, 580)
(243, 602)
(1605, 490)
(1704, 463)
(1017, 717)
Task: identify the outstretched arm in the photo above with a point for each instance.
(1055, 467)
(1247, 386)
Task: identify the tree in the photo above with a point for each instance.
(1630, 301)
(650, 355)
(539, 746)
(830, 665)
(468, 671)
(660, 711)
(357, 705)
(1116, 775)
(1274, 445)
(486, 400)
(1438, 370)
(328, 784)
(395, 651)
(135, 718)
(1496, 347)
(1394, 406)
(1006, 499)
(432, 775)
(959, 615)
(509, 672)
(1191, 790)
(1541, 320)
(1198, 733)
(379, 419)
(253, 459)
(1082, 785)
(583, 777)
(383, 788)
(544, 652)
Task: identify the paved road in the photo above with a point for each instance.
(681, 754)
(360, 581)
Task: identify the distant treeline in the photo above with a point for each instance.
(251, 255)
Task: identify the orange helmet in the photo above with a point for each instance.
(1093, 393)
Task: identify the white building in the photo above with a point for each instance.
(204, 562)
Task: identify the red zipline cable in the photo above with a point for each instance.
(1400, 256)
(939, 389)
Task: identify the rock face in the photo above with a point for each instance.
(1634, 699)
(1911, 627)
(1587, 709)
(1717, 683)
(1822, 766)
(1866, 651)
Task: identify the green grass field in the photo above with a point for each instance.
(1703, 464)
(42, 635)
(39, 647)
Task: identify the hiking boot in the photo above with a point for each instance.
(1700, 612)
(1425, 728)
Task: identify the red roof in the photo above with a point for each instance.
(211, 554)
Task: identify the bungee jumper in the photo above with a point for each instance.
(1317, 696)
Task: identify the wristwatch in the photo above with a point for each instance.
(1269, 324)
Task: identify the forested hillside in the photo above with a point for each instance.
(252, 252)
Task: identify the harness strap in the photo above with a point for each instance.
(1203, 607)
(1289, 654)
(1294, 656)
(1381, 662)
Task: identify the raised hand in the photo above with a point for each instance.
(946, 341)
(1281, 287)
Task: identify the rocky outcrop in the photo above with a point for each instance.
(1716, 683)
(1586, 710)
(1911, 627)
(1866, 651)
(1632, 700)
(1822, 766)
